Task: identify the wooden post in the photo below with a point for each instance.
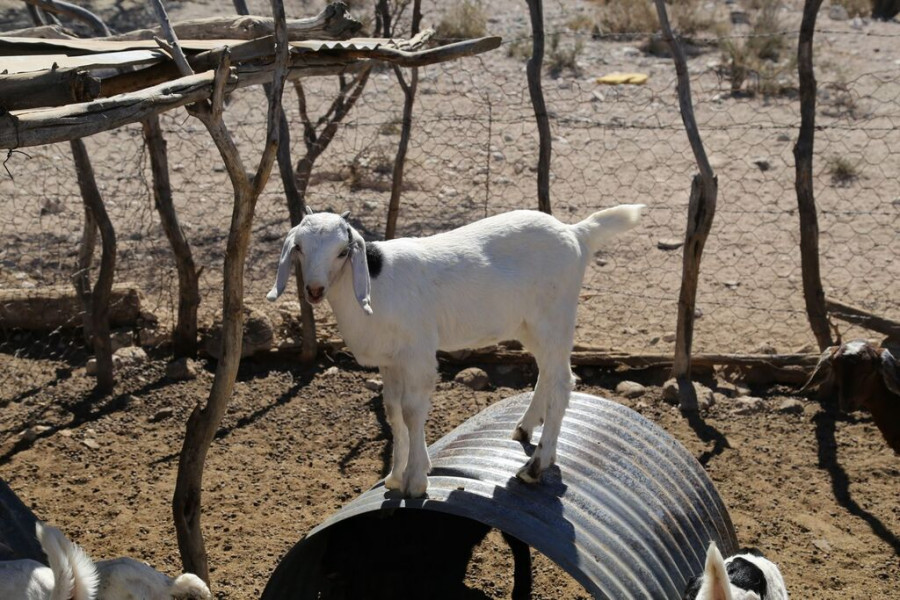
(701, 209)
(204, 420)
(813, 294)
(184, 338)
(533, 69)
(409, 97)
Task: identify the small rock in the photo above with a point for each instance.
(597, 96)
(654, 340)
(631, 52)
(473, 378)
(857, 23)
(330, 372)
(669, 338)
(791, 406)
(765, 348)
(121, 338)
(630, 389)
(698, 313)
(182, 369)
(29, 435)
(747, 405)
(129, 356)
(376, 385)
(783, 137)
(162, 414)
(739, 17)
(669, 244)
(153, 337)
(731, 285)
(705, 398)
(822, 545)
(371, 205)
(67, 433)
(805, 349)
(836, 12)
(600, 262)
(763, 163)
(259, 335)
(92, 444)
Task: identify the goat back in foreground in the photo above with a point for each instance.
(747, 575)
(129, 579)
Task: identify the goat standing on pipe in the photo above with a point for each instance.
(516, 275)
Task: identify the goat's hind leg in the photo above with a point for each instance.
(417, 388)
(393, 394)
(553, 389)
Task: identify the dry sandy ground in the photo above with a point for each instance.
(817, 491)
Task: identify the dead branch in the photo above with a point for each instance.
(813, 293)
(533, 69)
(701, 209)
(333, 23)
(73, 12)
(863, 318)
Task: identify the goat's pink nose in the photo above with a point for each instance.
(315, 291)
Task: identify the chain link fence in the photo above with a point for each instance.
(473, 153)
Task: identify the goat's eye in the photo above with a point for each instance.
(344, 253)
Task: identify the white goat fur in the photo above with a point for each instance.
(516, 275)
(129, 579)
(716, 584)
(70, 576)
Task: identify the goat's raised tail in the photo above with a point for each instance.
(75, 576)
(606, 224)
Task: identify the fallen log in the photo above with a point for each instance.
(863, 318)
(50, 88)
(53, 307)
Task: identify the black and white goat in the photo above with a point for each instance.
(516, 275)
(747, 575)
(866, 377)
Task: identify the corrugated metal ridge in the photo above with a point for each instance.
(628, 512)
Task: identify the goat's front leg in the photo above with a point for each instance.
(393, 394)
(416, 401)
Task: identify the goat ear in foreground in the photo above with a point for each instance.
(284, 268)
(362, 286)
(716, 585)
(309, 210)
(890, 371)
(823, 369)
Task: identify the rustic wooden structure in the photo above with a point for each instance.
(48, 308)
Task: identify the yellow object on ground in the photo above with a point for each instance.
(620, 78)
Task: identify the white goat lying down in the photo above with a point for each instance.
(72, 575)
(516, 275)
(747, 575)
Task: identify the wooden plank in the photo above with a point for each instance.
(863, 318)
(50, 62)
(53, 88)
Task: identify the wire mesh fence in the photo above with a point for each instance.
(473, 153)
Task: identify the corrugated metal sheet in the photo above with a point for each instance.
(17, 538)
(628, 512)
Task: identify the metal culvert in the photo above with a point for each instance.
(17, 538)
(627, 512)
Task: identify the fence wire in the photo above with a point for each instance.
(473, 153)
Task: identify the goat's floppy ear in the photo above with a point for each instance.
(823, 369)
(362, 286)
(890, 371)
(284, 268)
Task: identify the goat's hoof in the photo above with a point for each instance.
(393, 482)
(520, 435)
(416, 490)
(531, 472)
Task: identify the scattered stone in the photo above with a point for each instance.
(371, 205)
(153, 337)
(806, 349)
(731, 390)
(597, 97)
(669, 338)
(162, 414)
(698, 313)
(739, 17)
(783, 137)
(130, 356)
(731, 285)
(376, 385)
(763, 163)
(330, 372)
(601, 262)
(630, 389)
(66, 433)
(473, 378)
(822, 544)
(29, 435)
(654, 340)
(90, 443)
(121, 338)
(705, 397)
(836, 12)
(182, 369)
(791, 406)
(259, 335)
(669, 244)
(747, 405)
(631, 52)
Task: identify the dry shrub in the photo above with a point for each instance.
(688, 17)
(464, 20)
(856, 8)
(761, 59)
(561, 58)
(843, 172)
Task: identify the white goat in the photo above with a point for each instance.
(70, 576)
(515, 275)
(747, 575)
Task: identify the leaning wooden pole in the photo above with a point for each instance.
(204, 420)
(813, 294)
(701, 209)
(533, 70)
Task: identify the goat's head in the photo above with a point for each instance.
(746, 576)
(324, 244)
(857, 369)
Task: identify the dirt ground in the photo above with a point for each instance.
(819, 492)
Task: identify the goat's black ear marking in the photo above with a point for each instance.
(747, 576)
(374, 259)
(751, 550)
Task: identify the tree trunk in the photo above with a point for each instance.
(100, 296)
(536, 10)
(82, 277)
(813, 293)
(184, 338)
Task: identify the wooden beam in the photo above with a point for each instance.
(863, 318)
(48, 88)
